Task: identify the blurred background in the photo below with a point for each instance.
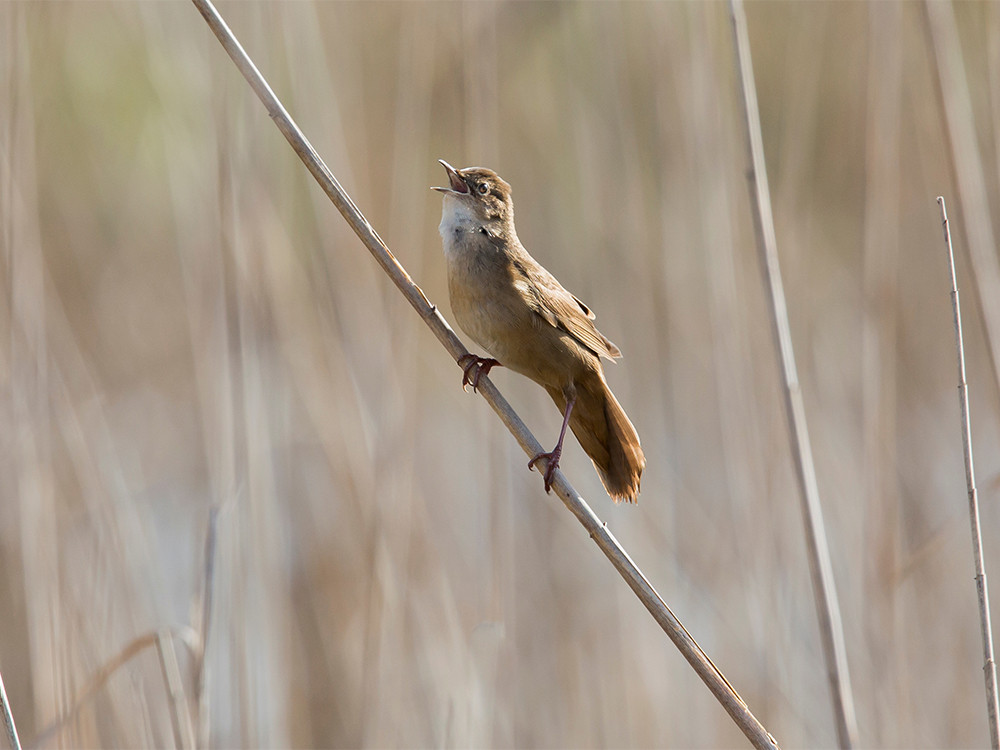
(233, 456)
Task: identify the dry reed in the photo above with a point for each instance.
(824, 587)
(982, 590)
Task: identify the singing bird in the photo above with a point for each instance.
(525, 320)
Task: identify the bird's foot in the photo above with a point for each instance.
(550, 468)
(474, 368)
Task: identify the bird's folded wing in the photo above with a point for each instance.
(563, 310)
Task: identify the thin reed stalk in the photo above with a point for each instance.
(8, 718)
(180, 717)
(824, 589)
(202, 674)
(989, 665)
(598, 530)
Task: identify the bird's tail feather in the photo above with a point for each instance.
(607, 435)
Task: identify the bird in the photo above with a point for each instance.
(526, 321)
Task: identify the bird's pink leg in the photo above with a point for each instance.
(553, 456)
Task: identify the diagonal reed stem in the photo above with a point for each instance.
(824, 589)
(989, 665)
(598, 530)
(8, 719)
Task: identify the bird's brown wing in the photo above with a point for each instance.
(560, 309)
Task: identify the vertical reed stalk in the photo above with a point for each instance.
(180, 716)
(824, 589)
(989, 665)
(202, 675)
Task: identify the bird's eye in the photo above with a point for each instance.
(483, 188)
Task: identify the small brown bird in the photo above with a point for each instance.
(522, 316)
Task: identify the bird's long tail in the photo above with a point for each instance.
(607, 435)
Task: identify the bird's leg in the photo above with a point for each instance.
(553, 456)
(474, 368)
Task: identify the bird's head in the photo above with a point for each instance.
(481, 191)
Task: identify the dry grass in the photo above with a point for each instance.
(189, 326)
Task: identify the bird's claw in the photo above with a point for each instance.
(550, 468)
(474, 367)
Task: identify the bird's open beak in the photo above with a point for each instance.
(458, 185)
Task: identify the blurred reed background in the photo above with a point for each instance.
(191, 332)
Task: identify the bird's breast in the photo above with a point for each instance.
(458, 225)
(491, 304)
